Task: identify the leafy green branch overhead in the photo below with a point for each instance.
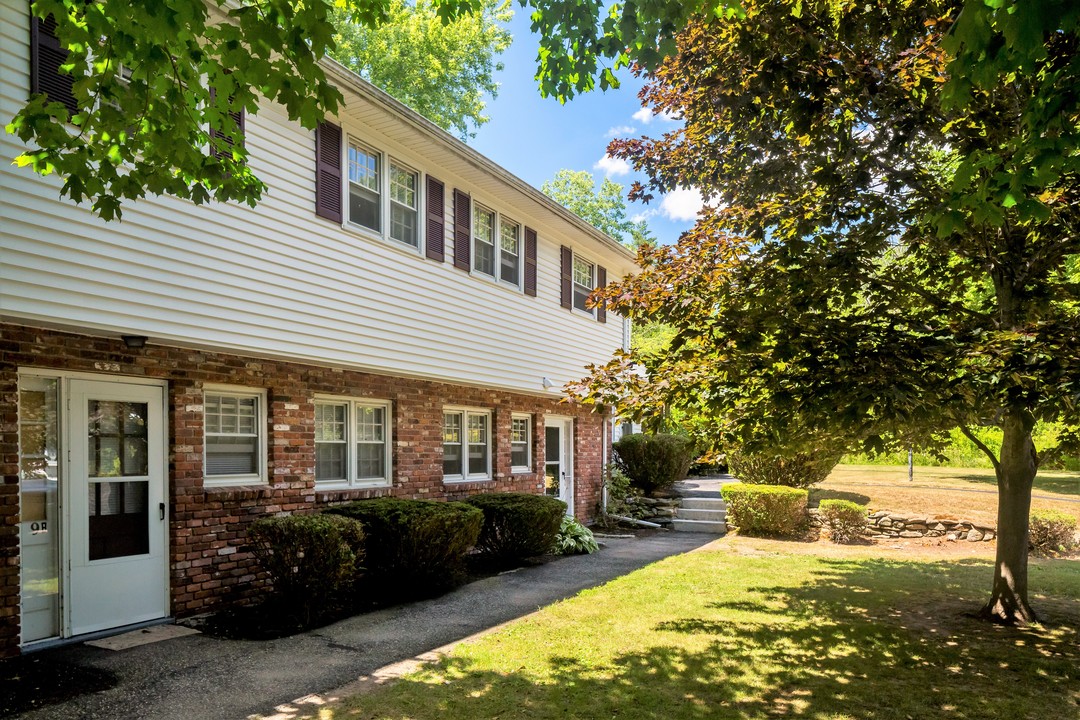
(194, 63)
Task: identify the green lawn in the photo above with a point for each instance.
(964, 493)
(763, 629)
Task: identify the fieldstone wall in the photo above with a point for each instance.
(887, 525)
(657, 510)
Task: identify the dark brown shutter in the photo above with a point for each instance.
(46, 57)
(219, 138)
(462, 230)
(328, 171)
(601, 281)
(436, 219)
(530, 262)
(567, 276)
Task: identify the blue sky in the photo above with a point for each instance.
(534, 137)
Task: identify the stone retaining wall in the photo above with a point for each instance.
(886, 525)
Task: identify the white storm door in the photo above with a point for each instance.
(115, 506)
(559, 460)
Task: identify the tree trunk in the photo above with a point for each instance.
(1015, 473)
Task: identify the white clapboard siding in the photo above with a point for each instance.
(277, 280)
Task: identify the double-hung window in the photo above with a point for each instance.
(509, 251)
(584, 282)
(365, 187)
(521, 443)
(381, 187)
(466, 444)
(484, 240)
(496, 246)
(404, 204)
(234, 427)
(352, 442)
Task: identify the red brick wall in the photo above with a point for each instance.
(208, 566)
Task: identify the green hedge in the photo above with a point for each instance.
(1051, 531)
(517, 525)
(845, 520)
(765, 509)
(415, 548)
(311, 559)
(654, 462)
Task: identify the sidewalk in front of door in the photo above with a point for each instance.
(203, 678)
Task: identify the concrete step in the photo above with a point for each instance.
(685, 513)
(699, 526)
(697, 503)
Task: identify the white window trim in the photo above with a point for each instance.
(465, 413)
(497, 277)
(385, 160)
(351, 480)
(527, 468)
(256, 478)
(575, 256)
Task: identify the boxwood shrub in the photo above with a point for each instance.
(1051, 531)
(654, 462)
(845, 520)
(517, 525)
(765, 509)
(415, 548)
(311, 559)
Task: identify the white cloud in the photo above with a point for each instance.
(612, 166)
(619, 130)
(682, 204)
(645, 116)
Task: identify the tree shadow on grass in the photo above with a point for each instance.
(819, 494)
(1062, 483)
(879, 639)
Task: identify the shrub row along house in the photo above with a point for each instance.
(395, 318)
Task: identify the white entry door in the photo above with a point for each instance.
(114, 506)
(559, 460)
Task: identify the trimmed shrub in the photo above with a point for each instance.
(845, 520)
(798, 470)
(654, 462)
(765, 509)
(517, 525)
(1051, 531)
(415, 548)
(311, 559)
(574, 539)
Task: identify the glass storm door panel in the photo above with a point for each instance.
(39, 526)
(116, 505)
(558, 460)
(553, 460)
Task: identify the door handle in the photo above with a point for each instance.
(161, 511)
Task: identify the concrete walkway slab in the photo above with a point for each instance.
(205, 678)
(144, 636)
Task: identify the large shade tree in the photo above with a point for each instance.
(879, 265)
(443, 70)
(603, 207)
